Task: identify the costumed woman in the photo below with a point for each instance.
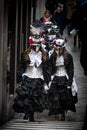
(60, 97)
(51, 32)
(31, 94)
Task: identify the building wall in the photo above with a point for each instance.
(1, 53)
(40, 8)
(3, 60)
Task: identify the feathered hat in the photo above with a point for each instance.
(36, 35)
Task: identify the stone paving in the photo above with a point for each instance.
(46, 125)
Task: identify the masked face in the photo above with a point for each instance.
(36, 48)
(59, 44)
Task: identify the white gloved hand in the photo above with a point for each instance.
(52, 77)
(46, 88)
(49, 84)
(68, 87)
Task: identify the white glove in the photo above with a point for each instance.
(68, 87)
(46, 88)
(49, 84)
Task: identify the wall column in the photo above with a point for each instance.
(3, 60)
(1, 54)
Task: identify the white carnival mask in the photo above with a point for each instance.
(59, 43)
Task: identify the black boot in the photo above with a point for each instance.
(31, 117)
(85, 72)
(63, 116)
(26, 116)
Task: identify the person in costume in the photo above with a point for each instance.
(31, 94)
(60, 97)
(51, 32)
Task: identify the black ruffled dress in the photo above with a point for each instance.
(60, 98)
(30, 95)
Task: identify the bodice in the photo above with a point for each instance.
(60, 71)
(60, 67)
(34, 72)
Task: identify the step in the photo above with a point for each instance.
(19, 124)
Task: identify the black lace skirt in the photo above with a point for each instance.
(30, 96)
(60, 98)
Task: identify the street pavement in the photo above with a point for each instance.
(40, 125)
